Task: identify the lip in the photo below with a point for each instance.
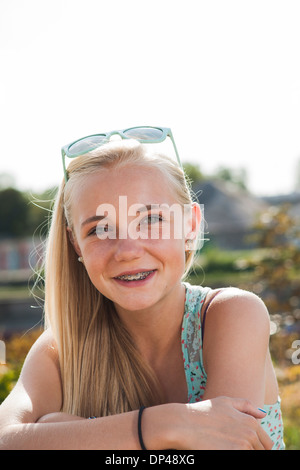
(135, 271)
(138, 282)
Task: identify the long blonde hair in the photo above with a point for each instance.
(102, 371)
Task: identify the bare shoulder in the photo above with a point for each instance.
(231, 304)
(42, 362)
(45, 345)
(235, 345)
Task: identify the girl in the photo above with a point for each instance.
(125, 341)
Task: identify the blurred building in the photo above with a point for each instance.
(18, 258)
(19, 310)
(230, 213)
(292, 200)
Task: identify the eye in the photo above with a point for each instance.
(102, 229)
(92, 232)
(151, 219)
(99, 230)
(106, 231)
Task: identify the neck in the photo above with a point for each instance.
(156, 329)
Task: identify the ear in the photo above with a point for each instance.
(73, 241)
(193, 224)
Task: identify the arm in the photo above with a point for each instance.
(235, 347)
(30, 418)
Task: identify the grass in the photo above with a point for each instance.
(14, 292)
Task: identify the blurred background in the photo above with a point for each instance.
(225, 76)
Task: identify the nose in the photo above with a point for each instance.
(128, 249)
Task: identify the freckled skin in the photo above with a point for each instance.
(105, 259)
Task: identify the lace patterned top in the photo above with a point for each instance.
(191, 339)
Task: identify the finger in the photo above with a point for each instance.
(255, 434)
(245, 406)
(264, 438)
(258, 444)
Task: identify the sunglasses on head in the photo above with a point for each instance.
(143, 134)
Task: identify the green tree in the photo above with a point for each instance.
(193, 172)
(236, 176)
(14, 213)
(22, 214)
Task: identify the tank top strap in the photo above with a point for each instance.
(194, 299)
(191, 342)
(205, 312)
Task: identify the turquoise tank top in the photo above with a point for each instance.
(191, 339)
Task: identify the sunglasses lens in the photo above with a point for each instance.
(144, 133)
(87, 144)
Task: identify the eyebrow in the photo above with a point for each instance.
(94, 218)
(97, 218)
(149, 207)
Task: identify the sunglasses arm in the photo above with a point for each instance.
(63, 154)
(175, 148)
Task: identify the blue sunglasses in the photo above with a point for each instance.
(143, 134)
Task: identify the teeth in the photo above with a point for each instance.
(135, 277)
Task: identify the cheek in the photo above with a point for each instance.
(180, 255)
(171, 252)
(95, 257)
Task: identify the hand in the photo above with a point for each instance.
(223, 424)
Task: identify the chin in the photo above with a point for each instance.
(134, 304)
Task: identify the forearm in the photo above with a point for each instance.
(59, 417)
(117, 432)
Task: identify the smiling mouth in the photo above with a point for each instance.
(135, 277)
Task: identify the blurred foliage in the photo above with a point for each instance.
(22, 213)
(8, 378)
(289, 387)
(277, 276)
(17, 348)
(14, 213)
(193, 172)
(237, 176)
(212, 259)
(278, 283)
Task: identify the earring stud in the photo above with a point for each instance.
(189, 245)
(80, 259)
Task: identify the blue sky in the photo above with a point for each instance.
(224, 75)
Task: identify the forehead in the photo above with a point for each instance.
(141, 185)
